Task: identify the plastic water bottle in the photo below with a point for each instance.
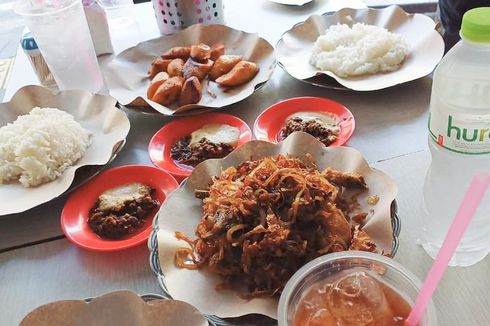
(459, 140)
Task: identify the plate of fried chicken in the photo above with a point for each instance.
(200, 68)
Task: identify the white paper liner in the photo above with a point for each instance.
(96, 113)
(116, 308)
(182, 212)
(127, 74)
(426, 46)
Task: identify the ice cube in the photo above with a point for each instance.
(314, 311)
(358, 300)
(321, 317)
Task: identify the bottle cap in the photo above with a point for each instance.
(28, 43)
(476, 25)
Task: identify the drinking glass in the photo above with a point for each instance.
(391, 273)
(62, 34)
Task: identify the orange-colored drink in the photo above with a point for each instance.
(354, 299)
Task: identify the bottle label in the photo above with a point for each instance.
(461, 133)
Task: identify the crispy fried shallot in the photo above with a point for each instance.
(266, 218)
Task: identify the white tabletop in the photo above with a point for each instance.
(38, 265)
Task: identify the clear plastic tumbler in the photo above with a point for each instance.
(358, 300)
(62, 34)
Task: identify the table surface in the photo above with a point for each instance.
(38, 265)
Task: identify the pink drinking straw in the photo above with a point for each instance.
(466, 210)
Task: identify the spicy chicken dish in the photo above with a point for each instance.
(323, 127)
(266, 218)
(210, 141)
(120, 211)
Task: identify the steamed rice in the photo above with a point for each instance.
(37, 147)
(362, 49)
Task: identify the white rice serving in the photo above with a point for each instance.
(37, 147)
(362, 49)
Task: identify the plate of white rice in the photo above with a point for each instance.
(46, 138)
(361, 49)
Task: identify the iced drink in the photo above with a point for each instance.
(62, 34)
(351, 288)
(355, 299)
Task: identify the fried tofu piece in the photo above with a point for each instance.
(181, 52)
(200, 70)
(345, 179)
(217, 50)
(175, 67)
(158, 65)
(241, 73)
(191, 91)
(223, 65)
(168, 91)
(156, 82)
(200, 52)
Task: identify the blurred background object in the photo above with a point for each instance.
(112, 4)
(172, 15)
(451, 12)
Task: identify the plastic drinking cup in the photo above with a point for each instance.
(388, 271)
(62, 34)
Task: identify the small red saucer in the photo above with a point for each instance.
(269, 123)
(166, 137)
(75, 213)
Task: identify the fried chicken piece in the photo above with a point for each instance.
(345, 179)
(168, 91)
(339, 231)
(361, 241)
(193, 68)
(181, 52)
(159, 79)
(191, 91)
(175, 67)
(241, 73)
(158, 65)
(200, 52)
(359, 217)
(217, 50)
(223, 65)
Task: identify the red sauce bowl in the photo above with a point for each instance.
(77, 208)
(269, 123)
(166, 137)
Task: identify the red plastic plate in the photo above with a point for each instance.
(75, 213)
(269, 123)
(165, 138)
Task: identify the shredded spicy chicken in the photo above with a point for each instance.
(192, 154)
(313, 127)
(265, 219)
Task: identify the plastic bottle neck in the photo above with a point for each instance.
(475, 45)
